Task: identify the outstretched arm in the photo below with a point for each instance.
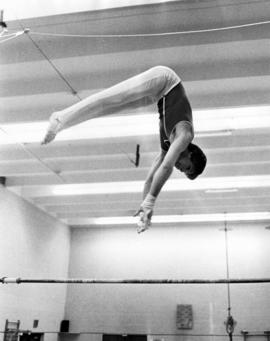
(157, 162)
(183, 135)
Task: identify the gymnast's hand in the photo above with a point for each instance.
(145, 215)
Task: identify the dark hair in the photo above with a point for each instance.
(198, 160)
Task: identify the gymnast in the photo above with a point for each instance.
(160, 85)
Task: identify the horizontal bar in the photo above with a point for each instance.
(7, 280)
(143, 334)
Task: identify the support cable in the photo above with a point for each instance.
(151, 34)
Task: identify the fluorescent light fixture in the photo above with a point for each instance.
(172, 185)
(227, 190)
(215, 133)
(98, 188)
(206, 122)
(162, 219)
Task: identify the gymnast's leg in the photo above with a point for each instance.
(125, 95)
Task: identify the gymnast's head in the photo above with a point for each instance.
(192, 161)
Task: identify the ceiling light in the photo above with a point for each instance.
(225, 190)
(215, 133)
(189, 218)
(172, 185)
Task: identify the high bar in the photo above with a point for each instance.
(18, 280)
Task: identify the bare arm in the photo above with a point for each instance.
(148, 181)
(183, 135)
(161, 171)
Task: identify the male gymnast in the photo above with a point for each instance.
(159, 84)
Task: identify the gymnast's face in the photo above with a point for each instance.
(184, 163)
